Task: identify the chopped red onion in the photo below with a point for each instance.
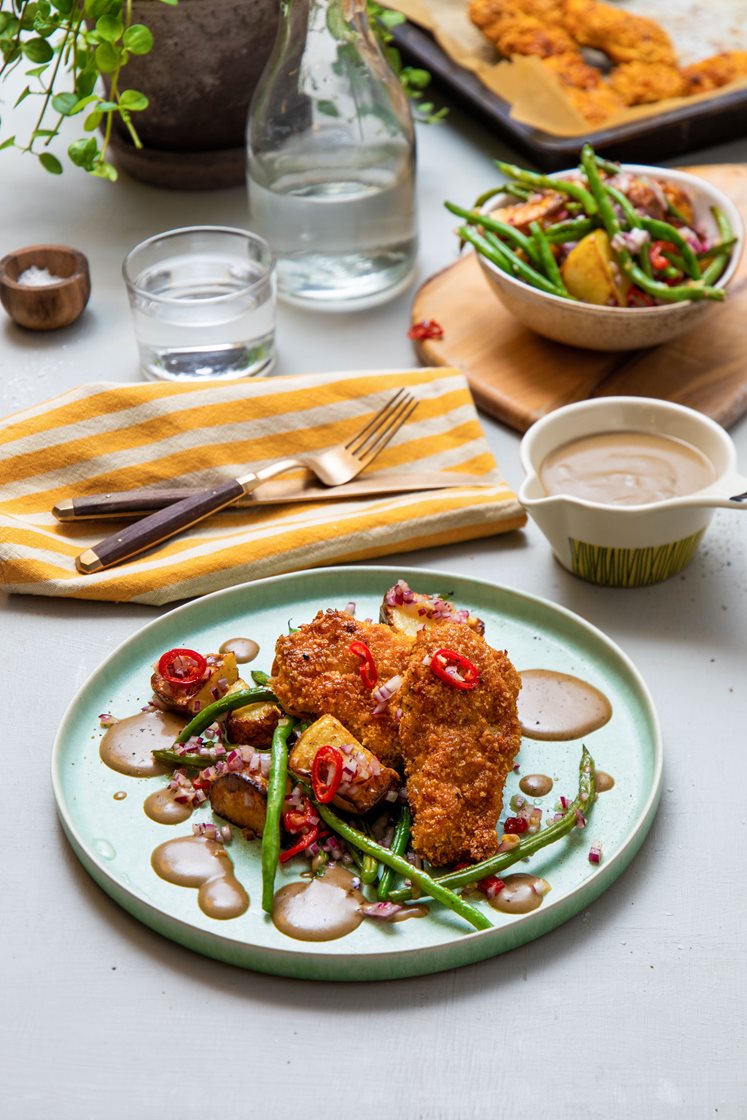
(106, 719)
(595, 853)
(349, 607)
(580, 819)
(383, 910)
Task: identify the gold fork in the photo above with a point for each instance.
(333, 466)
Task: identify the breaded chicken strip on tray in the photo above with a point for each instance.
(458, 744)
(315, 672)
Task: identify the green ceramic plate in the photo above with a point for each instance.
(114, 839)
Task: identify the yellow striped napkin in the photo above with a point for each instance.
(110, 437)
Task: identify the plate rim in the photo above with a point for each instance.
(403, 962)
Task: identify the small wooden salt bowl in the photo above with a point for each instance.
(45, 307)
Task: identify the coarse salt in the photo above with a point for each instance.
(34, 277)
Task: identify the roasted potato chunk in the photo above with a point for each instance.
(221, 673)
(241, 798)
(591, 274)
(409, 611)
(359, 791)
(253, 724)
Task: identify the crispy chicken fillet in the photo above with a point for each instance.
(316, 674)
(716, 71)
(458, 746)
(640, 83)
(623, 36)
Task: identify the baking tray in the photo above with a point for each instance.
(650, 140)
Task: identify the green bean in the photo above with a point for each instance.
(507, 261)
(572, 230)
(368, 866)
(227, 703)
(275, 800)
(675, 294)
(527, 846)
(675, 212)
(712, 272)
(545, 183)
(261, 679)
(503, 229)
(399, 846)
(517, 190)
(663, 231)
(607, 165)
(718, 247)
(631, 214)
(547, 260)
(399, 864)
(173, 758)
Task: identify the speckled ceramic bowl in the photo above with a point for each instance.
(593, 327)
(628, 545)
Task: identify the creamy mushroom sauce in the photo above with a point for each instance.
(163, 808)
(127, 745)
(196, 861)
(557, 706)
(536, 785)
(519, 895)
(243, 649)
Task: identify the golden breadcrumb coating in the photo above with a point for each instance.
(623, 36)
(640, 83)
(458, 746)
(316, 674)
(712, 73)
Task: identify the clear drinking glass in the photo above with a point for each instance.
(203, 304)
(331, 159)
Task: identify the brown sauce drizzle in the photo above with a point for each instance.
(196, 861)
(556, 706)
(603, 781)
(320, 909)
(518, 895)
(243, 649)
(119, 795)
(409, 912)
(162, 807)
(127, 745)
(536, 785)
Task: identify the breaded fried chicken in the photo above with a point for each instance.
(623, 36)
(716, 71)
(640, 83)
(585, 88)
(458, 746)
(315, 673)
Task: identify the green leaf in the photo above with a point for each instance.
(107, 106)
(86, 81)
(92, 121)
(43, 133)
(65, 103)
(133, 100)
(84, 102)
(8, 143)
(38, 50)
(104, 170)
(37, 71)
(83, 153)
(50, 163)
(138, 39)
(96, 8)
(107, 58)
(109, 28)
(328, 108)
(63, 6)
(22, 96)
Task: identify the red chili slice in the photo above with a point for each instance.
(426, 328)
(298, 820)
(182, 666)
(656, 253)
(454, 669)
(368, 671)
(326, 773)
(305, 842)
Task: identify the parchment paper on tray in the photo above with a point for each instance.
(698, 29)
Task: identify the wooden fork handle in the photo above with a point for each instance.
(159, 526)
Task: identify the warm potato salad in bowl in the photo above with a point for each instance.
(605, 256)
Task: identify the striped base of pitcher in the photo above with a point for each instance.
(631, 567)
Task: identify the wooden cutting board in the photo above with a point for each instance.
(518, 376)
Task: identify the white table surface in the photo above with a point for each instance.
(635, 1008)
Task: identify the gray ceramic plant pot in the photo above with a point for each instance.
(199, 79)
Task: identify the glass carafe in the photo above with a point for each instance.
(331, 160)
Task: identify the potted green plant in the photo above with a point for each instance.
(161, 89)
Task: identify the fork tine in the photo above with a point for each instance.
(375, 421)
(379, 439)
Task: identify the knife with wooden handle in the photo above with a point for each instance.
(138, 503)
